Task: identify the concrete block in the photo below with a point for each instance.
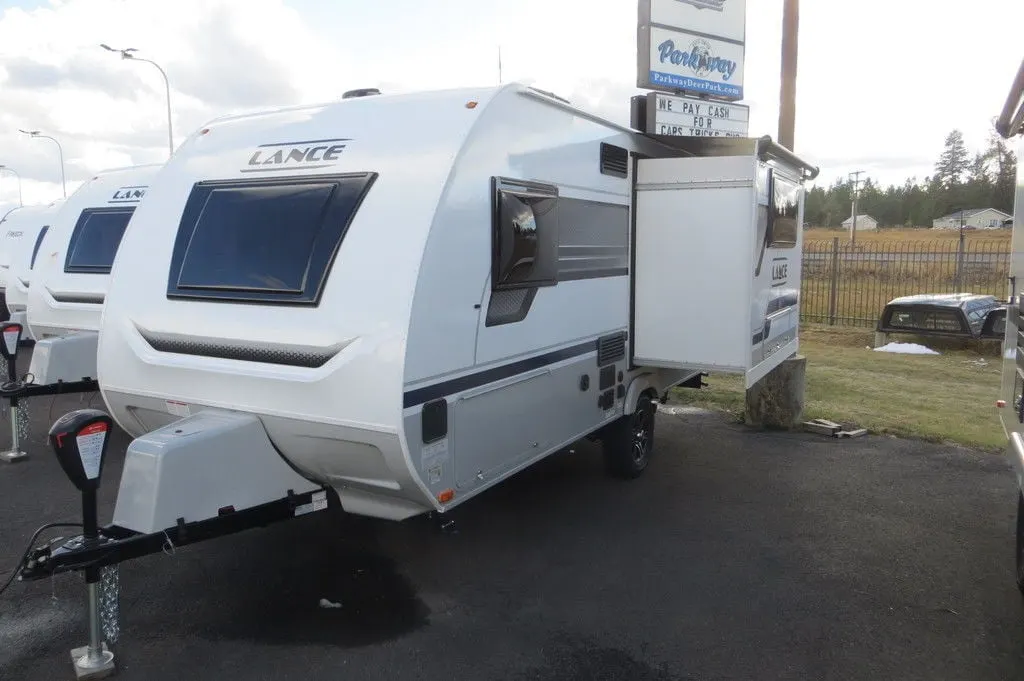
(777, 400)
(859, 432)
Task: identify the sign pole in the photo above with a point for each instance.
(787, 95)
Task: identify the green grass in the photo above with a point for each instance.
(945, 398)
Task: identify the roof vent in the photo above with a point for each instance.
(361, 92)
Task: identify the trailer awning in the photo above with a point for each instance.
(764, 148)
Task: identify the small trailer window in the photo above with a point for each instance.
(525, 235)
(263, 240)
(783, 214)
(39, 242)
(95, 240)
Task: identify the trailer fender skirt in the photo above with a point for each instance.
(637, 387)
(192, 469)
(1017, 450)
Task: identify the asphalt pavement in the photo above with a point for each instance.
(738, 555)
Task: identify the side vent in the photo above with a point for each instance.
(614, 160)
(611, 348)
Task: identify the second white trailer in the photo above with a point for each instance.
(22, 258)
(71, 272)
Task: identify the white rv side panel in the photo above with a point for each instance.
(518, 137)
(693, 255)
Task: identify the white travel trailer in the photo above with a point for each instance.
(325, 305)
(328, 298)
(72, 272)
(22, 257)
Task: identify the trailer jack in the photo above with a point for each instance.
(79, 440)
(14, 389)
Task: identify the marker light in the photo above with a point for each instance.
(1000, 403)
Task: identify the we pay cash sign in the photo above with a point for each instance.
(692, 117)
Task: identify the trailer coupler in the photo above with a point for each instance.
(80, 440)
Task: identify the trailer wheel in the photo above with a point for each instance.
(1020, 542)
(629, 442)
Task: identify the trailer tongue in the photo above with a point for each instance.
(80, 440)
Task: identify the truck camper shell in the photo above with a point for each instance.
(407, 317)
(22, 254)
(71, 271)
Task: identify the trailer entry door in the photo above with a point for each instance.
(716, 279)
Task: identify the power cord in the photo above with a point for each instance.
(31, 544)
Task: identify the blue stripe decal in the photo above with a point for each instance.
(457, 385)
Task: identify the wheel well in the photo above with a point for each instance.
(640, 387)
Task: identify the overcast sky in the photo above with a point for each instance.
(880, 84)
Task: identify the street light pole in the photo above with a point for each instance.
(13, 172)
(60, 152)
(127, 54)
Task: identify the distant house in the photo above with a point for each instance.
(863, 222)
(974, 218)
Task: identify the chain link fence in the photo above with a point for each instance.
(845, 284)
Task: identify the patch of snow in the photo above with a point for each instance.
(679, 409)
(906, 349)
(324, 603)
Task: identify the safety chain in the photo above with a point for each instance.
(23, 425)
(110, 603)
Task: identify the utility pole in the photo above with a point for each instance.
(787, 89)
(853, 212)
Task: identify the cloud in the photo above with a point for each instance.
(871, 95)
(221, 57)
(82, 74)
(233, 70)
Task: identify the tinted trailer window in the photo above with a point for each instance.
(95, 240)
(263, 240)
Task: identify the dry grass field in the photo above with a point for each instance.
(948, 397)
(920, 235)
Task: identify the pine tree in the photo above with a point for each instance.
(954, 161)
(960, 181)
(1002, 165)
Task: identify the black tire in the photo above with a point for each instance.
(629, 442)
(1020, 542)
